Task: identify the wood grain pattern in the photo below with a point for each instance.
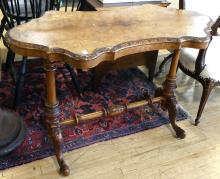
(151, 153)
(87, 38)
(84, 39)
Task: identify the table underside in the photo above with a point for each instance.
(165, 96)
(87, 39)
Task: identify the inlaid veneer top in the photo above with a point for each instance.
(87, 35)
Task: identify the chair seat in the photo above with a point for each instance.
(212, 59)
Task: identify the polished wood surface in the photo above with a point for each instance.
(73, 38)
(208, 82)
(209, 76)
(110, 111)
(152, 154)
(113, 34)
(149, 59)
(52, 117)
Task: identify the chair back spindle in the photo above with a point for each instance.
(19, 11)
(68, 5)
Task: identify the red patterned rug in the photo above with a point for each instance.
(116, 88)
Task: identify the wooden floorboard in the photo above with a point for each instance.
(155, 153)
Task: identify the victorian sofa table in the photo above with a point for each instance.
(86, 39)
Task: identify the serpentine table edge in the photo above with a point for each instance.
(39, 38)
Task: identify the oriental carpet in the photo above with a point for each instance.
(116, 88)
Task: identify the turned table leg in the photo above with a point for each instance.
(52, 117)
(170, 101)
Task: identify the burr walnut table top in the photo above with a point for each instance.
(85, 39)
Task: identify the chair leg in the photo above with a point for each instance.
(20, 82)
(208, 85)
(98, 73)
(85, 6)
(9, 64)
(200, 61)
(75, 80)
(166, 59)
(151, 74)
(151, 65)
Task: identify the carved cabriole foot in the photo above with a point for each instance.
(52, 113)
(170, 102)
